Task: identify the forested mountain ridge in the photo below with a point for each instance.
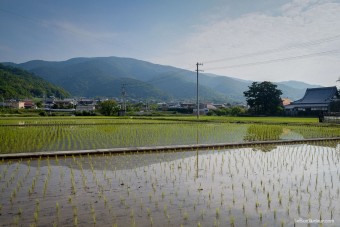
(105, 76)
(19, 83)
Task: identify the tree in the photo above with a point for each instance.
(236, 110)
(108, 107)
(264, 98)
(39, 104)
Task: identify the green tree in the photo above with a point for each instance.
(236, 110)
(18, 83)
(108, 107)
(263, 98)
(39, 104)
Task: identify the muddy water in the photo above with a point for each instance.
(240, 187)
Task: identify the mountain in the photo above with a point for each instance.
(105, 76)
(18, 83)
(297, 84)
(294, 90)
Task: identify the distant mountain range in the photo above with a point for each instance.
(18, 83)
(105, 76)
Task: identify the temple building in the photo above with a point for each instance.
(314, 102)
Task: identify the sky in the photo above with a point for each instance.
(248, 39)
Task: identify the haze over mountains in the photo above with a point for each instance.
(104, 76)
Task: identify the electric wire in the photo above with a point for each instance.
(278, 60)
(280, 49)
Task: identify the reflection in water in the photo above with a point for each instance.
(265, 148)
(211, 187)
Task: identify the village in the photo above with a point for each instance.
(314, 102)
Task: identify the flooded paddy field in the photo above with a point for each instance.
(61, 137)
(255, 186)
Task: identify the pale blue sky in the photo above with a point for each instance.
(182, 32)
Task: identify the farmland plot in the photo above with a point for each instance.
(272, 186)
(17, 139)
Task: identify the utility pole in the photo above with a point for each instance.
(123, 96)
(198, 104)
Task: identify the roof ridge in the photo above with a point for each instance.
(319, 88)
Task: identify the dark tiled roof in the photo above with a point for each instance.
(318, 95)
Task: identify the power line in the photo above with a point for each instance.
(278, 59)
(280, 49)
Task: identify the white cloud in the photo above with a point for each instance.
(300, 21)
(70, 39)
(80, 32)
(296, 7)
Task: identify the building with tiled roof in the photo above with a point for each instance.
(314, 101)
(286, 101)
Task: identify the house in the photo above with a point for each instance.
(49, 103)
(14, 104)
(212, 106)
(315, 101)
(162, 106)
(87, 108)
(29, 104)
(203, 108)
(64, 104)
(188, 105)
(203, 111)
(87, 102)
(286, 101)
(218, 106)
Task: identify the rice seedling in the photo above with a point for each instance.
(232, 221)
(16, 220)
(151, 221)
(185, 215)
(217, 212)
(36, 216)
(70, 199)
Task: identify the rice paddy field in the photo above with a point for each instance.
(273, 185)
(64, 134)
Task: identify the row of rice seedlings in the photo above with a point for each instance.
(263, 132)
(22, 139)
(316, 131)
(279, 196)
(208, 188)
(30, 139)
(75, 120)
